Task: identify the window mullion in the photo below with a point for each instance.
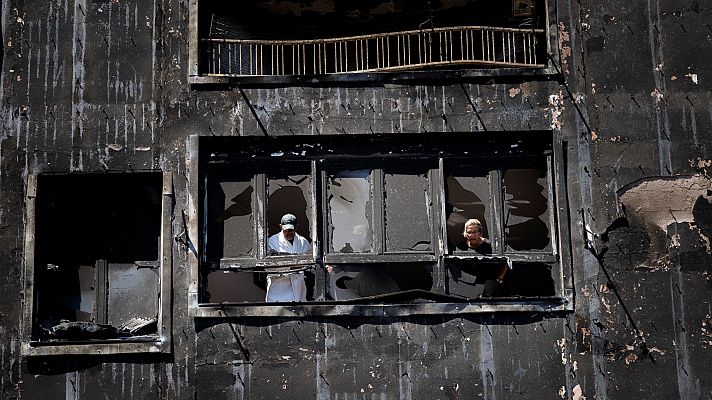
(378, 220)
(204, 231)
(437, 191)
(260, 206)
(551, 205)
(102, 292)
(496, 194)
(323, 208)
(563, 235)
(317, 186)
(439, 228)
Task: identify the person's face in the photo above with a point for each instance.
(288, 234)
(473, 232)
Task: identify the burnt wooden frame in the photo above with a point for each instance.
(380, 253)
(559, 257)
(497, 203)
(261, 259)
(163, 344)
(551, 71)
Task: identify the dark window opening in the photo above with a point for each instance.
(97, 259)
(288, 38)
(244, 286)
(348, 282)
(471, 279)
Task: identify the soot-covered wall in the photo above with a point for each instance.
(103, 86)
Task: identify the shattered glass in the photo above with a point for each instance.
(408, 224)
(526, 211)
(230, 219)
(468, 196)
(349, 197)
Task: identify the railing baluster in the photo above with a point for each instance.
(515, 47)
(464, 39)
(451, 57)
(387, 51)
(398, 45)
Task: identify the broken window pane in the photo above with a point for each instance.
(290, 194)
(348, 282)
(349, 194)
(468, 196)
(244, 286)
(526, 209)
(473, 278)
(133, 292)
(408, 224)
(230, 219)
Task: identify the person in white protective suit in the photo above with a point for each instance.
(288, 286)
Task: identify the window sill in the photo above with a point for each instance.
(539, 73)
(153, 344)
(529, 257)
(232, 310)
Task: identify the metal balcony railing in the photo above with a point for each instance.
(387, 52)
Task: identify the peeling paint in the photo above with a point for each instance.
(663, 201)
(693, 78)
(564, 47)
(656, 95)
(556, 104)
(578, 393)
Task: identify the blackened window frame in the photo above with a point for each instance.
(259, 200)
(442, 304)
(380, 252)
(548, 71)
(497, 232)
(30, 347)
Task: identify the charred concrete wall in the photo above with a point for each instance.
(102, 85)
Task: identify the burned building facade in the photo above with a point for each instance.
(149, 150)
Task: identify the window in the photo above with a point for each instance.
(97, 264)
(384, 222)
(332, 39)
